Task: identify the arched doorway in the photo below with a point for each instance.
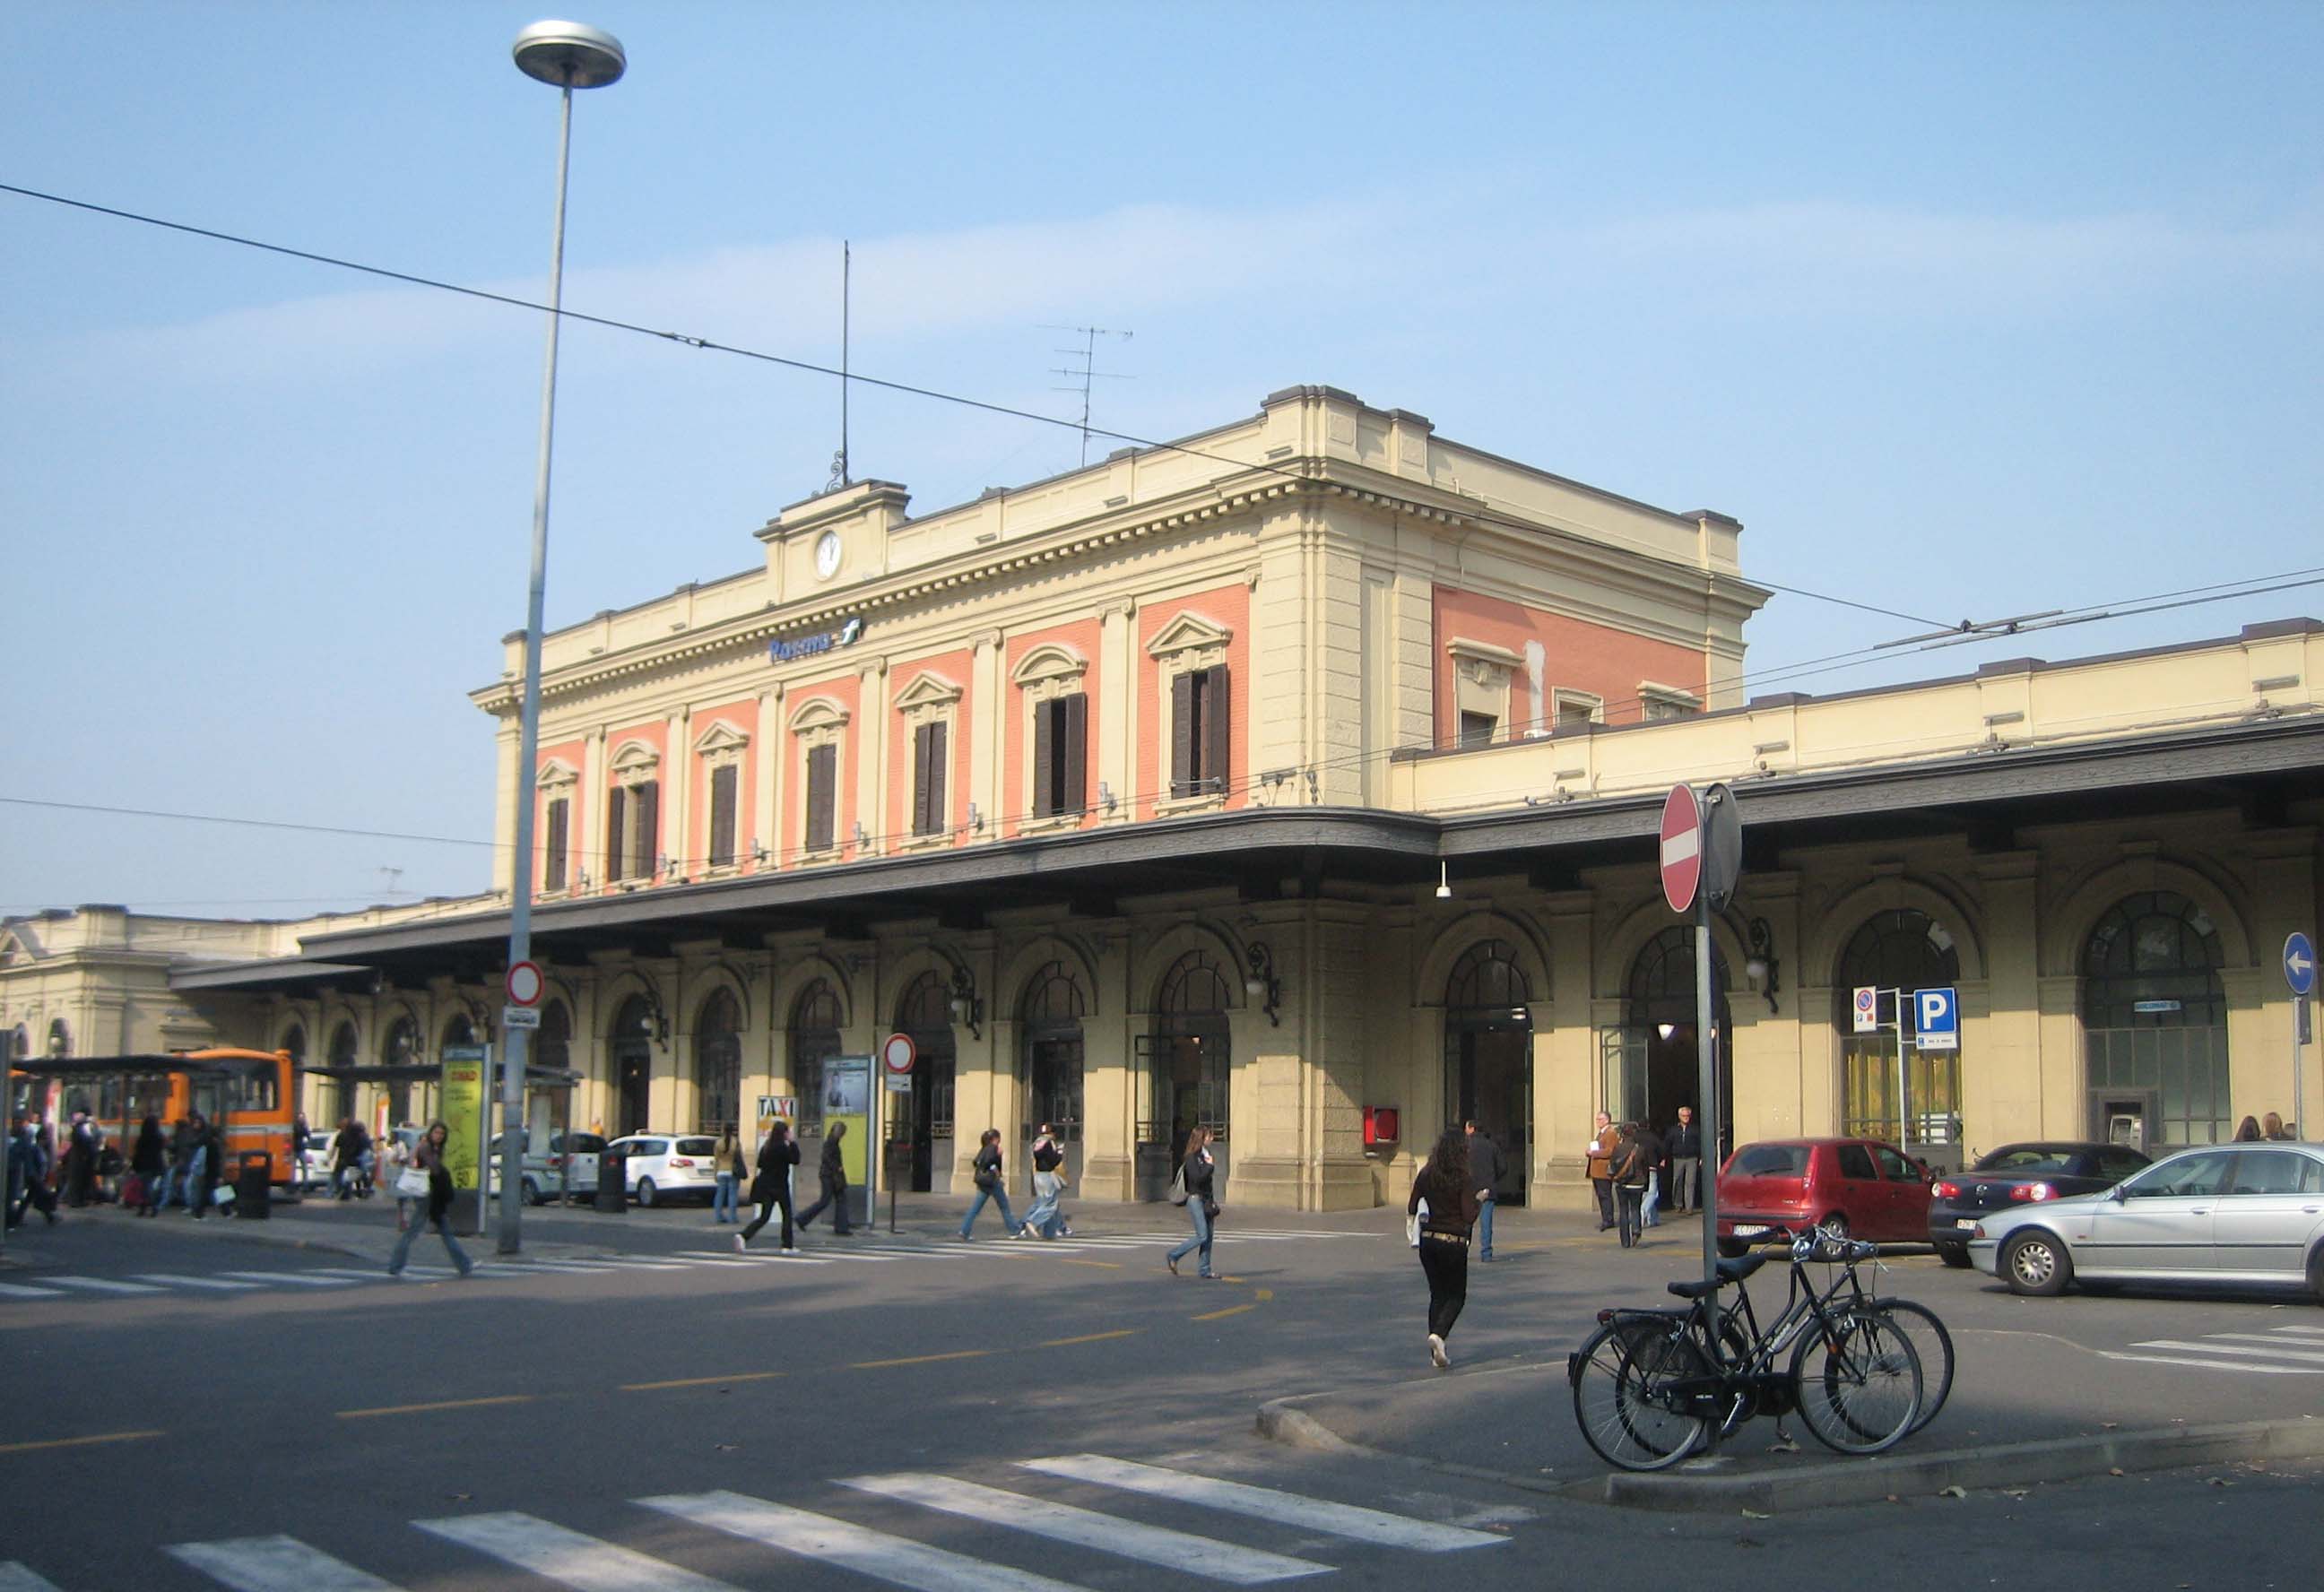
(1188, 1058)
(925, 1012)
(1901, 949)
(1489, 1055)
(630, 1051)
(718, 1063)
(2155, 1019)
(1656, 1067)
(1049, 1027)
(399, 1049)
(813, 1040)
(343, 1054)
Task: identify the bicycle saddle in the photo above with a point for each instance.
(1730, 1271)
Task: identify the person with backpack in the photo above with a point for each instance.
(831, 1172)
(1195, 1187)
(772, 1190)
(1632, 1171)
(350, 1154)
(992, 1184)
(1048, 1183)
(1446, 1190)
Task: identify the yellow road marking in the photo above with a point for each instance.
(505, 1398)
(77, 1442)
(1232, 1309)
(1088, 1338)
(1263, 1294)
(1111, 1266)
(701, 1381)
(920, 1360)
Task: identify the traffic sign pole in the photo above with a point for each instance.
(1707, 1091)
(2299, 974)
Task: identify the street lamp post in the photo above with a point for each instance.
(569, 56)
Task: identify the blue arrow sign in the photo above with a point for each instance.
(2299, 963)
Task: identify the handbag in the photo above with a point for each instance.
(411, 1183)
(1413, 1222)
(1179, 1186)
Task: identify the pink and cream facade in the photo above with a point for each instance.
(1306, 771)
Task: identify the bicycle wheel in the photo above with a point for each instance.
(1932, 1343)
(1621, 1394)
(1858, 1380)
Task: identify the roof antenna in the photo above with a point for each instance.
(1087, 370)
(846, 282)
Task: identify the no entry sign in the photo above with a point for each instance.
(1681, 847)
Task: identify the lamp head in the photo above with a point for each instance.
(569, 55)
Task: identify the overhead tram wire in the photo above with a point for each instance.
(809, 367)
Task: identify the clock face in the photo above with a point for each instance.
(826, 555)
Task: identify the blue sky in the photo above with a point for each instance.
(1963, 310)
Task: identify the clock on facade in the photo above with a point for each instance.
(826, 555)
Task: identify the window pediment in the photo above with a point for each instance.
(557, 775)
(720, 737)
(929, 689)
(1189, 633)
(818, 712)
(1051, 660)
(1481, 661)
(634, 760)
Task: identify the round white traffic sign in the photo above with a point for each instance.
(897, 1053)
(524, 983)
(1681, 847)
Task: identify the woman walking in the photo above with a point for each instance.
(831, 1171)
(726, 1159)
(1048, 1184)
(992, 1184)
(1633, 1168)
(149, 1158)
(772, 1187)
(1447, 1188)
(1197, 1176)
(428, 1157)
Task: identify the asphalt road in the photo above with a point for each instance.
(538, 1426)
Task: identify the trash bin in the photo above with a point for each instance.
(612, 1182)
(253, 1180)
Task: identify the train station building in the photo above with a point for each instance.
(1300, 779)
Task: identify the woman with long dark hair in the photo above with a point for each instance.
(772, 1188)
(1196, 1184)
(1448, 1190)
(149, 1158)
(428, 1157)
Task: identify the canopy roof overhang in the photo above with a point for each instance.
(2258, 766)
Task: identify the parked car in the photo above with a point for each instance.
(1852, 1187)
(2018, 1173)
(2250, 1215)
(658, 1166)
(547, 1169)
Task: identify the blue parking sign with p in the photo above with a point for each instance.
(1936, 1014)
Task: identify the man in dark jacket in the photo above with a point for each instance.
(1683, 1148)
(833, 1171)
(1485, 1172)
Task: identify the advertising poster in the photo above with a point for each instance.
(463, 1109)
(847, 1098)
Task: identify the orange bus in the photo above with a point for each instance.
(249, 1095)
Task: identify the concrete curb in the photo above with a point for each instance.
(1859, 1481)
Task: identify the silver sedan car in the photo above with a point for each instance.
(2245, 1215)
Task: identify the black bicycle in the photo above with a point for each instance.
(1652, 1386)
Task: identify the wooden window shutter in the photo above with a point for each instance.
(1074, 761)
(937, 737)
(617, 850)
(722, 814)
(644, 861)
(1215, 721)
(822, 766)
(923, 771)
(552, 872)
(1045, 758)
(1183, 771)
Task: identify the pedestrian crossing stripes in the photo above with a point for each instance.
(2286, 1351)
(830, 1252)
(888, 1551)
(16, 1577)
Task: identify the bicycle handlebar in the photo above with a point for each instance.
(1816, 1244)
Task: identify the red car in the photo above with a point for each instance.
(1860, 1187)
